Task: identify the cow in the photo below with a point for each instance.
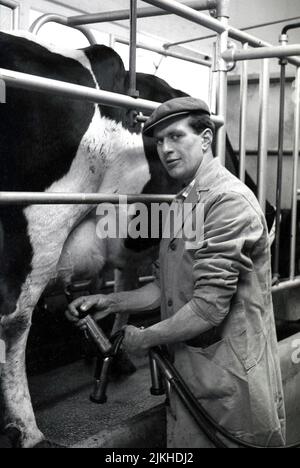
(55, 144)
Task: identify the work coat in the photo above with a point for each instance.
(233, 369)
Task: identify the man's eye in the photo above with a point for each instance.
(159, 142)
(175, 137)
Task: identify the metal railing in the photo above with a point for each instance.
(223, 30)
(15, 7)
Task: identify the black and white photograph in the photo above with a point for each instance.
(149, 227)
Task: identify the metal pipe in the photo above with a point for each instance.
(263, 134)
(167, 53)
(42, 20)
(70, 90)
(213, 92)
(142, 280)
(235, 55)
(243, 118)
(52, 18)
(120, 15)
(223, 90)
(112, 41)
(9, 4)
(132, 49)
(295, 283)
(248, 28)
(213, 24)
(188, 13)
(16, 11)
(253, 41)
(295, 178)
(288, 27)
(48, 18)
(54, 198)
(280, 168)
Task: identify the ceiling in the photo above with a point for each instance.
(243, 14)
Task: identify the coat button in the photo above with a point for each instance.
(170, 303)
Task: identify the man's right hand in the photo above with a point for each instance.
(101, 303)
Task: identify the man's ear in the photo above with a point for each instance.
(207, 139)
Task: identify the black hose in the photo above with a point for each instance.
(194, 406)
(288, 27)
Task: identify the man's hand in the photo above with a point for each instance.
(101, 303)
(134, 340)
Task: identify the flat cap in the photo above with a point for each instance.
(173, 108)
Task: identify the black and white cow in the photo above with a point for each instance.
(54, 144)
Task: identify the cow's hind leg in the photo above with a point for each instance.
(33, 259)
(16, 256)
(18, 416)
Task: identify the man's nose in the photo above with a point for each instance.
(167, 147)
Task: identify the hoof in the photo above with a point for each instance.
(11, 438)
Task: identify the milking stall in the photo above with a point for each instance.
(112, 335)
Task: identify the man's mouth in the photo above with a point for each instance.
(172, 162)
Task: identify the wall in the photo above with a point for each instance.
(273, 125)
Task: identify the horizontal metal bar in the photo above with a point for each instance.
(188, 13)
(213, 24)
(49, 18)
(119, 15)
(290, 284)
(69, 90)
(167, 53)
(253, 41)
(72, 91)
(10, 4)
(235, 55)
(51, 198)
(142, 280)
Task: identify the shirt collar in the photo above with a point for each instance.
(207, 173)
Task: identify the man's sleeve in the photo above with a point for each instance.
(232, 228)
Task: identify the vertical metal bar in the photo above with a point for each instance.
(133, 41)
(243, 118)
(283, 64)
(213, 89)
(295, 177)
(16, 17)
(222, 93)
(112, 41)
(263, 134)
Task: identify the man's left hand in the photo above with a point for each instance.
(134, 340)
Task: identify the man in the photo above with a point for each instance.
(215, 296)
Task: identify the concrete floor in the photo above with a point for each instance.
(67, 417)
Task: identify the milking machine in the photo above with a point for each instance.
(107, 350)
(164, 376)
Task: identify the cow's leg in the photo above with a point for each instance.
(47, 234)
(18, 412)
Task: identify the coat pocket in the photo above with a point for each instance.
(207, 371)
